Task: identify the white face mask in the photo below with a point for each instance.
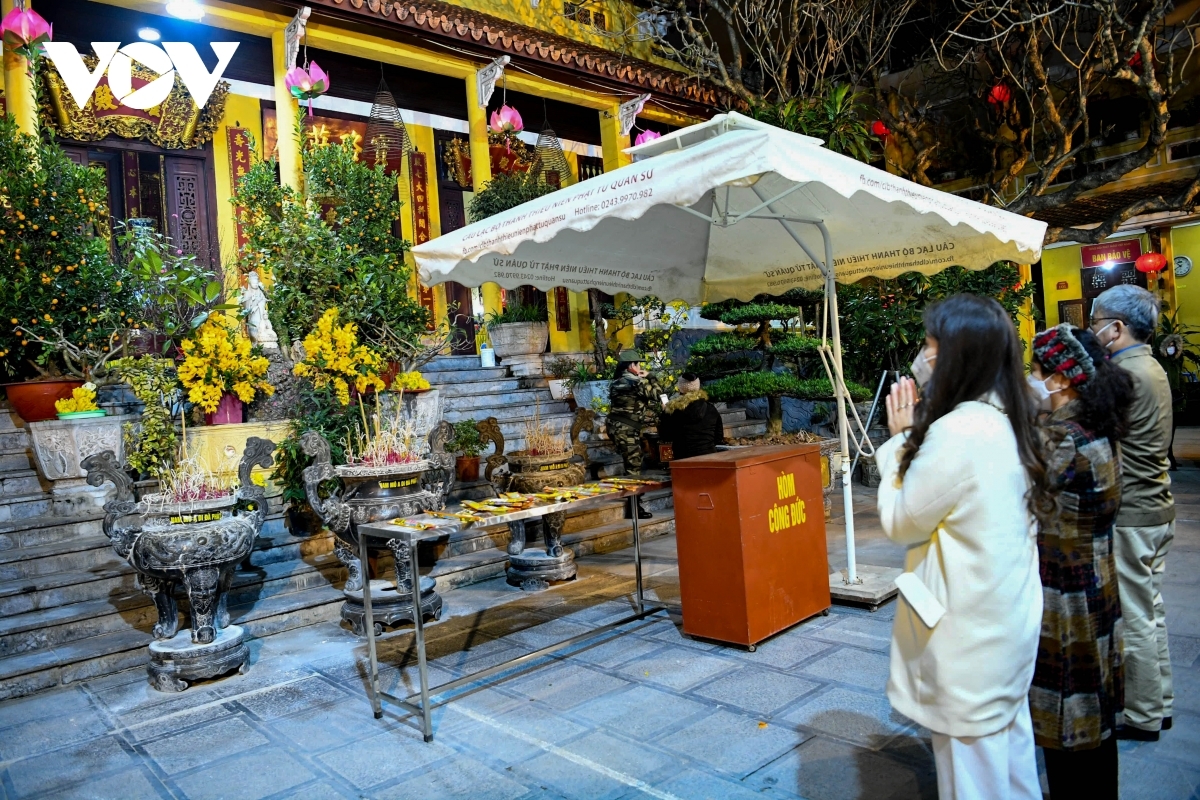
(922, 369)
(1041, 392)
(1102, 330)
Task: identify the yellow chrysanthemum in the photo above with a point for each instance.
(81, 399)
(219, 359)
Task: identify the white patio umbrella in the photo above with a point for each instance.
(732, 208)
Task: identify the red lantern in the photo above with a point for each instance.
(1150, 262)
(1000, 94)
(878, 128)
(1136, 61)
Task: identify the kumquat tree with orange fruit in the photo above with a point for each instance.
(65, 304)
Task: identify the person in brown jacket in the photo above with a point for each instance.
(1124, 319)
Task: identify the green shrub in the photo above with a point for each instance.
(516, 312)
(332, 246)
(752, 385)
(467, 440)
(503, 192)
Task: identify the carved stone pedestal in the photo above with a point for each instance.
(389, 606)
(534, 569)
(176, 661)
(60, 446)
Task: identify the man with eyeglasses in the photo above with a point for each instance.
(1124, 319)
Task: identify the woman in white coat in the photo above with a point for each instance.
(962, 478)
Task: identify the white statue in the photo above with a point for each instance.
(254, 305)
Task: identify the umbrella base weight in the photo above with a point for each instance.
(877, 586)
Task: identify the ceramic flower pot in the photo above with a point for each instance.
(229, 412)
(466, 469)
(586, 392)
(519, 338)
(34, 400)
(559, 389)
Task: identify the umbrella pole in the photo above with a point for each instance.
(841, 398)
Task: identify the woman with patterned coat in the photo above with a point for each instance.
(1077, 695)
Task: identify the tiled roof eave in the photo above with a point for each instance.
(446, 20)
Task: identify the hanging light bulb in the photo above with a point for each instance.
(186, 9)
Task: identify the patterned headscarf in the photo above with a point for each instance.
(1059, 351)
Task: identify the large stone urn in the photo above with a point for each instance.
(584, 393)
(60, 446)
(535, 568)
(520, 345)
(375, 494)
(197, 544)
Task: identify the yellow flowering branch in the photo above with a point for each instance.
(333, 357)
(220, 359)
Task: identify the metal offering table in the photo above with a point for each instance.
(442, 527)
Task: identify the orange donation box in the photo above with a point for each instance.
(750, 528)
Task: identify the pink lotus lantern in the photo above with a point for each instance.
(646, 136)
(24, 30)
(506, 120)
(307, 84)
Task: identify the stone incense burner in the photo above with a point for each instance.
(374, 494)
(194, 544)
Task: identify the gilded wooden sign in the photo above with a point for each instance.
(175, 124)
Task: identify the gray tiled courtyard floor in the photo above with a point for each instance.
(648, 713)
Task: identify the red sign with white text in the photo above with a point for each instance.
(1122, 252)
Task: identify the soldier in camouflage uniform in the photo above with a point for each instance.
(633, 403)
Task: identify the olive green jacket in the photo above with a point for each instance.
(634, 401)
(1145, 483)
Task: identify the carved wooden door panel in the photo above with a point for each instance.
(187, 194)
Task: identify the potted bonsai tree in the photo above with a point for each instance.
(560, 369)
(468, 444)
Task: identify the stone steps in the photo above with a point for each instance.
(514, 413)
(441, 377)
(65, 626)
(520, 400)
(35, 531)
(24, 506)
(54, 627)
(453, 364)
(486, 387)
(15, 459)
(14, 440)
(126, 649)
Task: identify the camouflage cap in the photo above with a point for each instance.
(630, 355)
